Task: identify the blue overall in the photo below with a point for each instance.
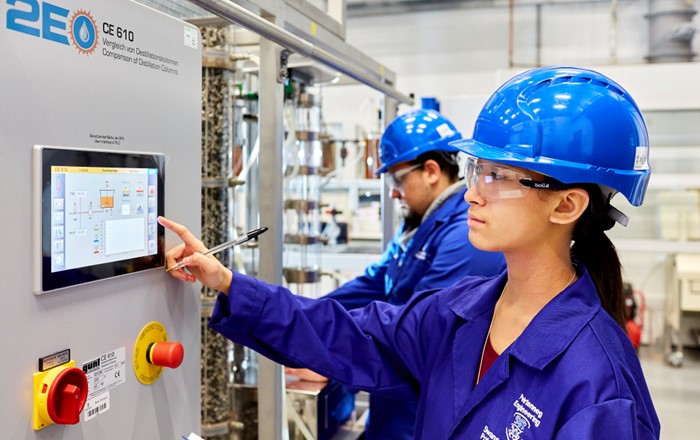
(437, 256)
(572, 374)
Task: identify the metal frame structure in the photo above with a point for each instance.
(299, 27)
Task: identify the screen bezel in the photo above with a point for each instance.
(62, 156)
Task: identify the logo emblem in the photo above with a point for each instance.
(83, 32)
(517, 427)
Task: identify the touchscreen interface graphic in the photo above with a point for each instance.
(102, 214)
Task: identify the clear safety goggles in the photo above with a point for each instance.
(495, 181)
(395, 180)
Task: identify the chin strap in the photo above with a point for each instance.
(613, 213)
(618, 215)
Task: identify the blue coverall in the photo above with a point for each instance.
(437, 256)
(572, 374)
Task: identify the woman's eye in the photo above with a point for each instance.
(495, 176)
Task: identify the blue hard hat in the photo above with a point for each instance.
(572, 124)
(414, 133)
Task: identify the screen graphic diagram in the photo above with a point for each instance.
(102, 214)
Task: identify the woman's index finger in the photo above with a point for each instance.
(182, 232)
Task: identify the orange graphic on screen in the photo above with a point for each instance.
(106, 198)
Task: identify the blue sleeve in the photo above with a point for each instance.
(615, 419)
(455, 258)
(368, 287)
(374, 349)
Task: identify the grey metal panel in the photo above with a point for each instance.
(319, 16)
(271, 423)
(176, 8)
(54, 95)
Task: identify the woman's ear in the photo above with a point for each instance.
(571, 205)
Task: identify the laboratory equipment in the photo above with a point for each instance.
(110, 94)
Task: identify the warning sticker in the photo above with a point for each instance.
(191, 37)
(105, 372)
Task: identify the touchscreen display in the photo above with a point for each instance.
(102, 214)
(99, 211)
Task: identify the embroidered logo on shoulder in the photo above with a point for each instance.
(525, 416)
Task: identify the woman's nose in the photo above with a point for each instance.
(472, 195)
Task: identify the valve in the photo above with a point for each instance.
(60, 394)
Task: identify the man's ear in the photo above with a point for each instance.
(570, 205)
(433, 170)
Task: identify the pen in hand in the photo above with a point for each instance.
(246, 237)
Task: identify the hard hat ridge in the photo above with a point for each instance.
(414, 133)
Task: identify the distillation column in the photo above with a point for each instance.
(302, 168)
(217, 143)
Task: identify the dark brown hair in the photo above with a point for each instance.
(593, 248)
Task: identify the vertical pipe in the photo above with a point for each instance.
(271, 425)
(671, 31)
(216, 142)
(612, 36)
(387, 204)
(538, 35)
(511, 12)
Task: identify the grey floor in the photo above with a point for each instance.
(675, 391)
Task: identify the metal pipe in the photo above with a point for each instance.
(271, 423)
(387, 203)
(612, 37)
(538, 35)
(511, 31)
(372, 9)
(239, 15)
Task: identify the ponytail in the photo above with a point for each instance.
(593, 248)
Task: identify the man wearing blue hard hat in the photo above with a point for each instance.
(430, 249)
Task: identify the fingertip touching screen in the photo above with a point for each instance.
(98, 215)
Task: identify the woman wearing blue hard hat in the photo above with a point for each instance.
(537, 352)
(429, 249)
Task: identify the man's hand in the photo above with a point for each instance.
(304, 374)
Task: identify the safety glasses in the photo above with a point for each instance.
(395, 180)
(494, 181)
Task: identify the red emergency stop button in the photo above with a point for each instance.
(66, 396)
(152, 352)
(165, 354)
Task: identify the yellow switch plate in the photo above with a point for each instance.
(41, 417)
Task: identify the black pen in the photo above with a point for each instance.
(246, 237)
